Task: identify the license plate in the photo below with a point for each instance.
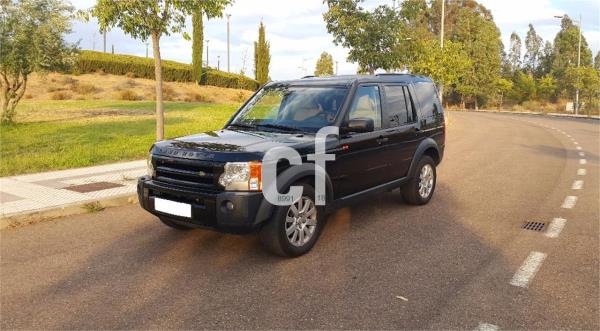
(173, 208)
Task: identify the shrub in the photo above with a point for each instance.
(90, 61)
(130, 75)
(196, 97)
(169, 93)
(128, 95)
(84, 88)
(60, 95)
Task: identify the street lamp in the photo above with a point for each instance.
(228, 43)
(578, 64)
(207, 53)
(218, 62)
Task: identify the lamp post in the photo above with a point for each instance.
(228, 43)
(207, 53)
(218, 62)
(578, 64)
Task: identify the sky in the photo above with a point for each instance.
(298, 36)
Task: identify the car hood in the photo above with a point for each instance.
(232, 145)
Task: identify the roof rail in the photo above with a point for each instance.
(309, 76)
(393, 74)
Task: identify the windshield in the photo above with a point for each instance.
(291, 109)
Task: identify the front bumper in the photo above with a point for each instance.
(208, 209)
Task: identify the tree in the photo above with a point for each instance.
(444, 66)
(212, 9)
(262, 56)
(197, 45)
(546, 87)
(533, 51)
(586, 79)
(481, 42)
(503, 86)
(597, 61)
(546, 59)
(565, 53)
(324, 65)
(31, 39)
(143, 20)
(369, 36)
(523, 87)
(514, 52)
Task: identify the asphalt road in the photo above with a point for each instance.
(379, 265)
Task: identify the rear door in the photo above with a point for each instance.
(361, 162)
(401, 121)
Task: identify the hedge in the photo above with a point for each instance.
(118, 64)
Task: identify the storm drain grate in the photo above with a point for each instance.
(534, 226)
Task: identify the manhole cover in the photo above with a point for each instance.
(92, 187)
(534, 226)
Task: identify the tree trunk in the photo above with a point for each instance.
(476, 104)
(197, 46)
(160, 121)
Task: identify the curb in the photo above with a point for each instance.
(77, 208)
(597, 118)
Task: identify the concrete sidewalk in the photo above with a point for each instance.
(37, 193)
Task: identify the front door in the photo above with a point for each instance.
(361, 161)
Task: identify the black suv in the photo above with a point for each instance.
(391, 135)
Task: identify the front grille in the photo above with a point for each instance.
(189, 173)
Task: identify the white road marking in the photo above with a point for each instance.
(576, 143)
(569, 202)
(582, 161)
(555, 227)
(582, 154)
(578, 148)
(569, 136)
(577, 185)
(486, 327)
(581, 172)
(528, 270)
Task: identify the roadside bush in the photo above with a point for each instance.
(84, 88)
(196, 97)
(116, 64)
(128, 95)
(169, 93)
(60, 95)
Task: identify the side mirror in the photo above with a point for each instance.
(359, 125)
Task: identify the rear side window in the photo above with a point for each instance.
(428, 99)
(398, 105)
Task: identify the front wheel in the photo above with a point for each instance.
(294, 229)
(419, 189)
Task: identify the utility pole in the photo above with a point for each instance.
(146, 49)
(442, 46)
(578, 73)
(228, 44)
(104, 40)
(218, 62)
(336, 68)
(207, 53)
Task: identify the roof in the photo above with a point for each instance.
(347, 80)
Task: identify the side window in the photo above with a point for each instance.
(367, 104)
(398, 105)
(427, 95)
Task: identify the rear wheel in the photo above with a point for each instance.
(294, 229)
(419, 189)
(174, 225)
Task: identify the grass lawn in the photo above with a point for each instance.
(52, 135)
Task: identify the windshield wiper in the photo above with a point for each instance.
(281, 127)
(242, 125)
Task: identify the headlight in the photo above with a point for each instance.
(242, 176)
(150, 167)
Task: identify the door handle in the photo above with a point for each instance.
(382, 140)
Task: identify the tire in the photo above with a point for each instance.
(413, 191)
(174, 225)
(273, 233)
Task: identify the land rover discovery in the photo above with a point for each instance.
(391, 135)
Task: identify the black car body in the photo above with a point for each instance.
(372, 154)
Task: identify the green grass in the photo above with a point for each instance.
(54, 135)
